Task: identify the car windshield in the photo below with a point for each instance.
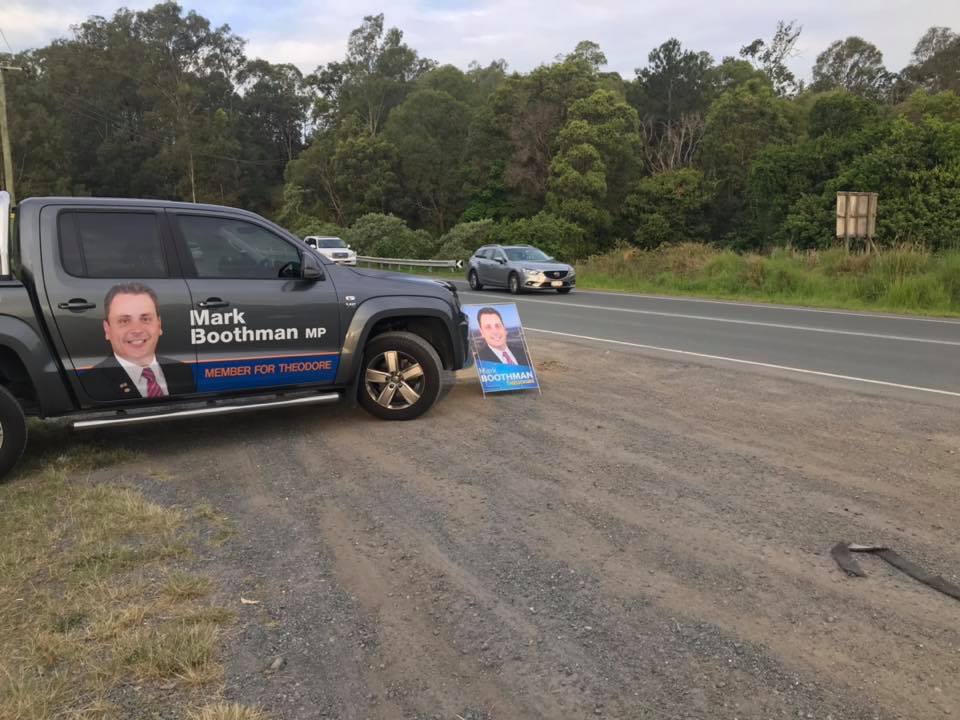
(529, 254)
(330, 243)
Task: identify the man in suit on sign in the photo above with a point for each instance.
(495, 347)
(132, 327)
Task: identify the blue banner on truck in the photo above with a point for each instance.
(247, 373)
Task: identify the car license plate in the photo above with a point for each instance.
(557, 283)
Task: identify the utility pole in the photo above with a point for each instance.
(5, 137)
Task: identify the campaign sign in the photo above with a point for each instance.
(500, 349)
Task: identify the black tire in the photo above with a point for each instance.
(13, 432)
(474, 280)
(383, 391)
(513, 284)
(564, 291)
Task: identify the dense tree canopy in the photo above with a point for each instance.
(410, 156)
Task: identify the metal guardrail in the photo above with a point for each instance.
(401, 262)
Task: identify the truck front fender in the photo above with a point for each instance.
(373, 311)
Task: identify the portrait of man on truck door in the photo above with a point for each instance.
(133, 327)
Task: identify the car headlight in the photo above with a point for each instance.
(530, 271)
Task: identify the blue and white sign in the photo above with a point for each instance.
(500, 349)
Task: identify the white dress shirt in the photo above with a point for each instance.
(136, 374)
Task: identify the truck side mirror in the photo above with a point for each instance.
(311, 269)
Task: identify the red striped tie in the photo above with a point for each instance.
(153, 387)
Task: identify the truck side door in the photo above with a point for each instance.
(254, 322)
(116, 303)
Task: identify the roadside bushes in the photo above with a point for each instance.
(388, 236)
(463, 239)
(313, 226)
(902, 279)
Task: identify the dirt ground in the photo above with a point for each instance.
(648, 539)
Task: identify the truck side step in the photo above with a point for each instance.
(203, 411)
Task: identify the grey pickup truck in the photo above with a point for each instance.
(131, 311)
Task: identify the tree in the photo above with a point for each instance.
(590, 53)
(936, 62)
(429, 131)
(676, 82)
(341, 176)
(854, 65)
(671, 96)
(42, 154)
(669, 207)
(934, 41)
(771, 57)
(740, 124)
(597, 158)
(376, 75)
(530, 110)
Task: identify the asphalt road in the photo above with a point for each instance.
(884, 352)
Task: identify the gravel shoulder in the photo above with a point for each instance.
(648, 539)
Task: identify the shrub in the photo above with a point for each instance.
(388, 236)
(313, 226)
(463, 239)
(549, 232)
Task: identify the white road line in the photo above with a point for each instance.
(762, 306)
(733, 321)
(750, 362)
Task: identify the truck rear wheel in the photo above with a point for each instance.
(400, 377)
(13, 431)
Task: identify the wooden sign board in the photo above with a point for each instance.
(856, 215)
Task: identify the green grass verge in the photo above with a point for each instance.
(91, 601)
(902, 280)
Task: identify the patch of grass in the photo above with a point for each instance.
(903, 279)
(183, 586)
(226, 711)
(183, 651)
(87, 602)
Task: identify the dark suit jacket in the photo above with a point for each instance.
(109, 381)
(516, 349)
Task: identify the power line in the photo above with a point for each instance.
(6, 41)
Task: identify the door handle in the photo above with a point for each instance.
(213, 302)
(77, 304)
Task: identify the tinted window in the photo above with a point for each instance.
(111, 245)
(330, 243)
(530, 254)
(227, 248)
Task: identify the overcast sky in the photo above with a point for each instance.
(525, 33)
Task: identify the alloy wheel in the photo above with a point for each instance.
(394, 379)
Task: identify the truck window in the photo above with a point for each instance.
(111, 245)
(229, 248)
